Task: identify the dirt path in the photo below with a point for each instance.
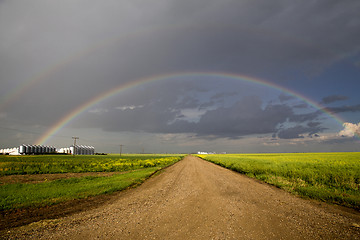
(195, 199)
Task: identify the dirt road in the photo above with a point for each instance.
(195, 199)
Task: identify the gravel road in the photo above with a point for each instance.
(195, 199)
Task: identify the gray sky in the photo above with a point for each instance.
(58, 55)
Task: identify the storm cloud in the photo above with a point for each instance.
(172, 113)
(333, 98)
(354, 108)
(58, 56)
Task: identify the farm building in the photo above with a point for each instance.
(28, 149)
(40, 149)
(78, 150)
(9, 151)
(200, 152)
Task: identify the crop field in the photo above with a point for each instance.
(39, 164)
(330, 177)
(131, 169)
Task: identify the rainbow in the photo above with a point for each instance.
(125, 86)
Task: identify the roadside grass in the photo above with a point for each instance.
(330, 177)
(21, 195)
(25, 195)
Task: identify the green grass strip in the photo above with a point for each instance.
(329, 177)
(48, 193)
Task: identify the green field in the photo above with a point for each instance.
(133, 169)
(330, 177)
(38, 164)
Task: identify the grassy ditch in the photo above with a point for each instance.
(48, 193)
(21, 195)
(330, 177)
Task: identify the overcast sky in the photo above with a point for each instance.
(57, 55)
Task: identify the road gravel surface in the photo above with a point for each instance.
(195, 199)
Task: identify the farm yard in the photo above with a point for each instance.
(183, 201)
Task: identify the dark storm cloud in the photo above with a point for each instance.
(238, 36)
(79, 49)
(223, 95)
(342, 140)
(298, 132)
(301, 105)
(299, 118)
(284, 97)
(354, 108)
(242, 118)
(333, 98)
(313, 124)
(206, 105)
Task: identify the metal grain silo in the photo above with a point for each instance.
(27, 149)
(88, 150)
(72, 150)
(92, 150)
(22, 149)
(79, 149)
(31, 149)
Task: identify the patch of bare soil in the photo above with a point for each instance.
(195, 199)
(19, 217)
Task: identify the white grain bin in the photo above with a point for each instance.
(92, 150)
(30, 149)
(83, 150)
(27, 149)
(37, 149)
(22, 149)
(86, 150)
(79, 149)
(14, 151)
